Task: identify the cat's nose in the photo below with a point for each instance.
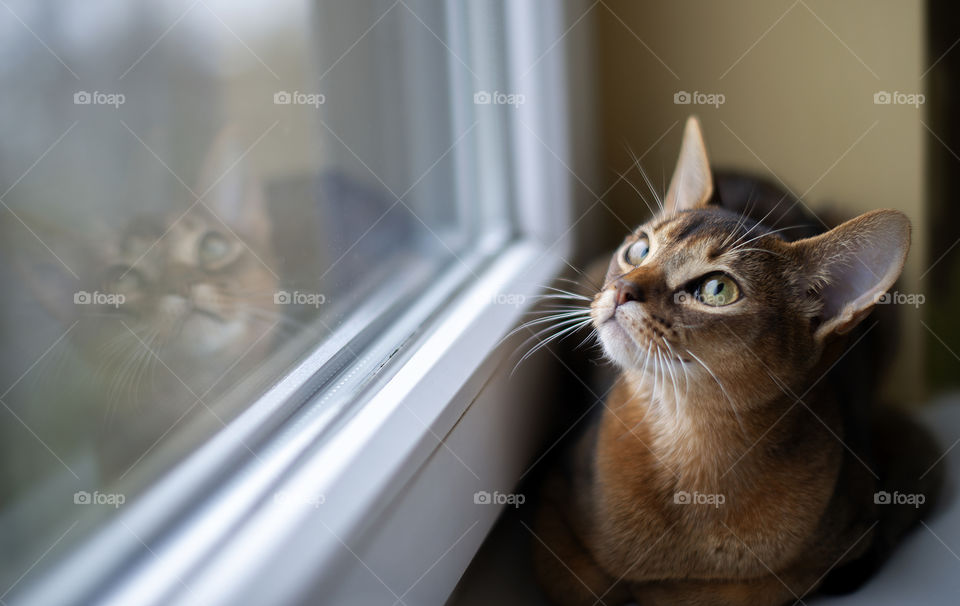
(628, 290)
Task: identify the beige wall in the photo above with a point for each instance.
(799, 81)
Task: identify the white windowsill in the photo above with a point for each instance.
(246, 534)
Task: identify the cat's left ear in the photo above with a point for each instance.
(692, 183)
(851, 266)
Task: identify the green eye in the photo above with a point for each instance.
(717, 290)
(637, 252)
(213, 248)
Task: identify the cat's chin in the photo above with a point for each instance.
(203, 334)
(618, 344)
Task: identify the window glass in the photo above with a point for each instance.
(196, 196)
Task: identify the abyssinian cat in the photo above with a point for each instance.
(165, 310)
(738, 459)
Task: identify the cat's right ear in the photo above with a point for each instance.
(692, 183)
(851, 266)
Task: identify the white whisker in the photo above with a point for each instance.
(733, 406)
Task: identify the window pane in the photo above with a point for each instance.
(197, 196)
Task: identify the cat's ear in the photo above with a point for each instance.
(232, 190)
(692, 183)
(852, 265)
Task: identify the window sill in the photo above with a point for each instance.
(309, 513)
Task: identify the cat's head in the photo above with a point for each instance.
(194, 285)
(196, 282)
(701, 297)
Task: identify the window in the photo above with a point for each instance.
(241, 235)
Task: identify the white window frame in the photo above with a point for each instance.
(394, 458)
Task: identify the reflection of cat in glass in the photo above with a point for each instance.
(166, 308)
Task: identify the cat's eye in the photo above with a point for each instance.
(717, 289)
(214, 248)
(637, 252)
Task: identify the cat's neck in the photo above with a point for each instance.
(694, 430)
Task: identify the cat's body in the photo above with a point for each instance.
(733, 462)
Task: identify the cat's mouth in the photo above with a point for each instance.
(621, 331)
(206, 313)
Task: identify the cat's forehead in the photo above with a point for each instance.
(694, 225)
(711, 229)
(689, 243)
(147, 237)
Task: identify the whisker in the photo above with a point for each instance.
(561, 309)
(562, 317)
(674, 354)
(575, 283)
(744, 214)
(623, 176)
(583, 274)
(591, 335)
(555, 298)
(560, 325)
(558, 335)
(569, 293)
(763, 250)
(769, 233)
(673, 379)
(643, 173)
(653, 191)
(752, 227)
(733, 406)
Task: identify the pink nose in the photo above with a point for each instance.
(628, 291)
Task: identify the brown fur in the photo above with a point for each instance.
(728, 402)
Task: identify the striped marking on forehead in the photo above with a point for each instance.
(702, 225)
(713, 232)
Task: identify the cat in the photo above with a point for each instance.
(739, 458)
(167, 309)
